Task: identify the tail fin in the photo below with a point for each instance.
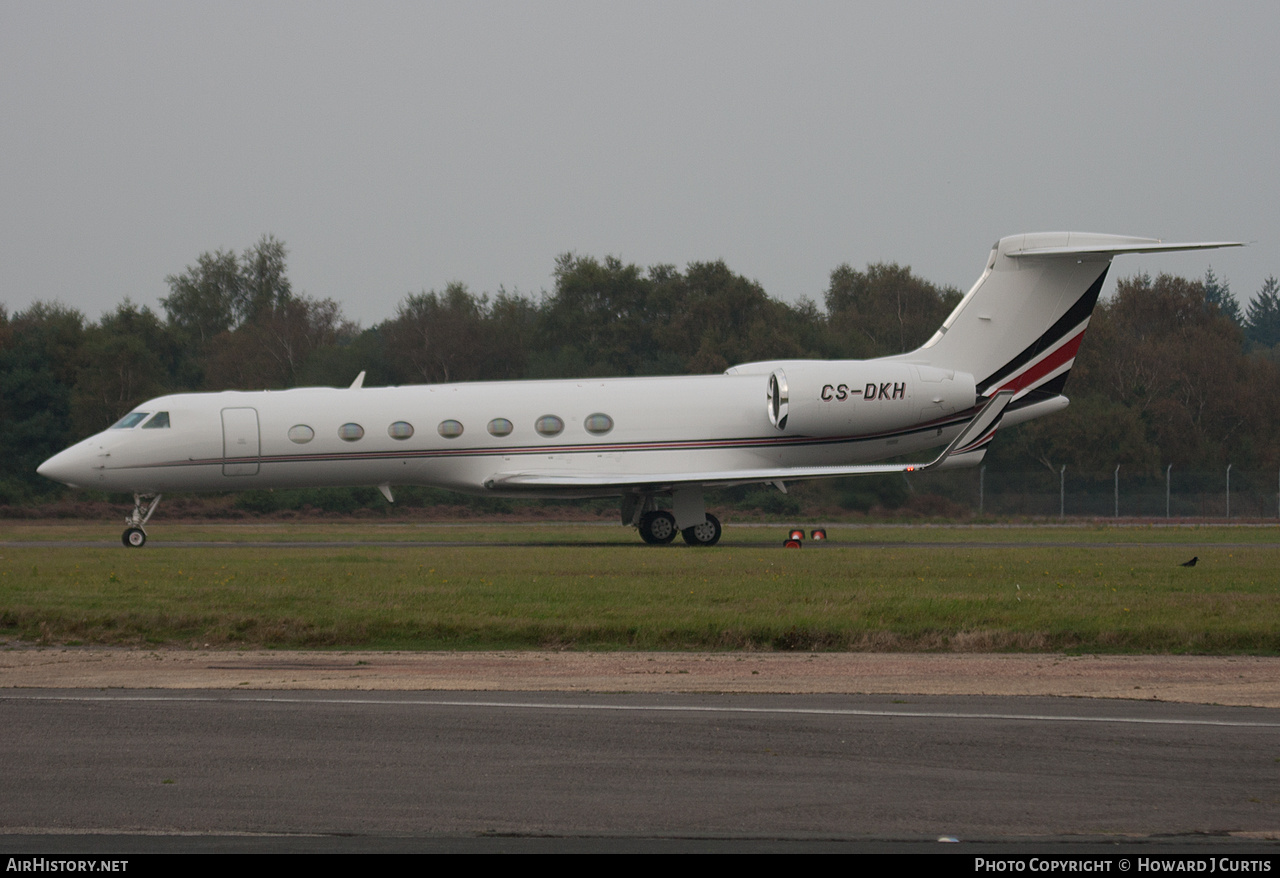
(1021, 324)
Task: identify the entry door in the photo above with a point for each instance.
(240, 440)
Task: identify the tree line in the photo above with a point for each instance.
(1171, 371)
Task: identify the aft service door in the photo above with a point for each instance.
(240, 439)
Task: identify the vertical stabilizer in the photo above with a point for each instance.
(1021, 324)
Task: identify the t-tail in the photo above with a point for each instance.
(1020, 326)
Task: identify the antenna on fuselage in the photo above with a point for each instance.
(358, 383)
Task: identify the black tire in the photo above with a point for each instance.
(134, 538)
(657, 528)
(705, 534)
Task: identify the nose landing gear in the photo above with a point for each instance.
(134, 536)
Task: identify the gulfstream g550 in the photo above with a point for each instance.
(1001, 357)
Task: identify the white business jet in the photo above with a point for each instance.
(1000, 358)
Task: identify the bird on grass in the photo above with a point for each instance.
(1191, 563)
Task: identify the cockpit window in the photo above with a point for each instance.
(159, 422)
(130, 420)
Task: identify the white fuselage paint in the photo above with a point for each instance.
(660, 425)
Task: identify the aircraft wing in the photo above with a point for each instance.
(968, 446)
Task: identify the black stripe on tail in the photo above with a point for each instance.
(1051, 336)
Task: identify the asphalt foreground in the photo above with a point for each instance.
(1069, 759)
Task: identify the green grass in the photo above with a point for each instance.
(1124, 592)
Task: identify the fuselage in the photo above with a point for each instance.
(459, 436)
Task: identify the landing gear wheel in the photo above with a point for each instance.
(658, 528)
(705, 534)
(134, 536)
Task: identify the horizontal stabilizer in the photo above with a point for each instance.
(968, 447)
(1114, 248)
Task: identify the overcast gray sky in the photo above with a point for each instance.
(396, 147)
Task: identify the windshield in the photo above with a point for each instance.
(130, 420)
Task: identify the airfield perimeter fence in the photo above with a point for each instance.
(1226, 493)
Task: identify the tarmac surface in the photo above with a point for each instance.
(793, 770)
(119, 750)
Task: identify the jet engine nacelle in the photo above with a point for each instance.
(847, 397)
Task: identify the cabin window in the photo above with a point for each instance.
(450, 429)
(549, 425)
(129, 421)
(500, 427)
(400, 430)
(301, 434)
(159, 422)
(599, 423)
(350, 432)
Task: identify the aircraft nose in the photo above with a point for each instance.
(68, 467)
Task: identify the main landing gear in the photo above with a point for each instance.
(134, 536)
(658, 526)
(705, 534)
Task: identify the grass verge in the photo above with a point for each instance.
(1120, 592)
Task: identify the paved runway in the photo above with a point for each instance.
(305, 767)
